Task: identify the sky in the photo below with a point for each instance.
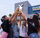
(7, 6)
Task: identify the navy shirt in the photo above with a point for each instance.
(31, 26)
(6, 26)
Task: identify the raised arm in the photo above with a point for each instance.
(17, 10)
(23, 15)
(13, 19)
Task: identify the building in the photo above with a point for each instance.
(34, 9)
(27, 9)
(26, 4)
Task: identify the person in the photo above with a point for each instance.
(15, 26)
(33, 35)
(21, 35)
(33, 24)
(36, 19)
(10, 15)
(6, 24)
(25, 29)
(10, 35)
(22, 31)
(30, 26)
(15, 30)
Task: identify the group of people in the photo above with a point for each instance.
(34, 26)
(12, 28)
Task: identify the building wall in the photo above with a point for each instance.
(25, 7)
(34, 9)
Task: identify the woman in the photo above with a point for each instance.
(6, 24)
(35, 35)
(15, 30)
(23, 30)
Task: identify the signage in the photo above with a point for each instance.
(34, 9)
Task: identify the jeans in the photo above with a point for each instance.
(33, 35)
